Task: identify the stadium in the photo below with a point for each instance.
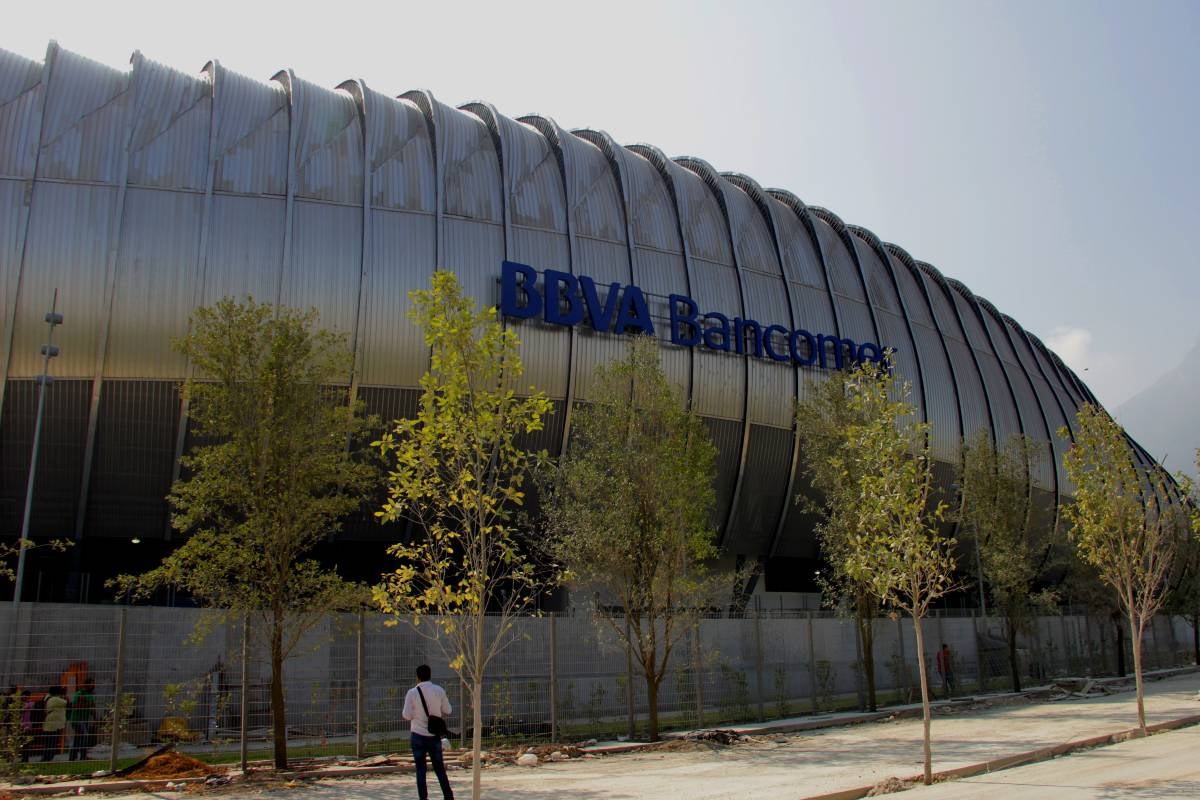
(142, 194)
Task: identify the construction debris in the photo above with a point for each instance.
(172, 765)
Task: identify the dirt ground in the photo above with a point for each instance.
(780, 765)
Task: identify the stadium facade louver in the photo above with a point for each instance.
(143, 193)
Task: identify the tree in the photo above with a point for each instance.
(994, 482)
(1124, 522)
(8, 552)
(630, 505)
(885, 504)
(823, 418)
(458, 471)
(280, 462)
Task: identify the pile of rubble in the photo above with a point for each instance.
(531, 756)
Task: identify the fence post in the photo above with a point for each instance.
(629, 676)
(980, 666)
(462, 704)
(245, 715)
(360, 689)
(553, 678)
(758, 659)
(812, 666)
(698, 670)
(860, 674)
(902, 674)
(118, 690)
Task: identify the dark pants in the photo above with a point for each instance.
(48, 741)
(81, 740)
(948, 683)
(430, 746)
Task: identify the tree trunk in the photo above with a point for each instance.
(922, 669)
(1013, 666)
(476, 739)
(866, 635)
(1120, 646)
(652, 702)
(1135, 631)
(278, 708)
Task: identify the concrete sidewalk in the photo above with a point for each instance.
(795, 765)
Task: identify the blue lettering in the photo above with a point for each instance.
(794, 347)
(634, 316)
(743, 326)
(681, 321)
(840, 346)
(511, 292)
(601, 316)
(554, 293)
(768, 344)
(710, 340)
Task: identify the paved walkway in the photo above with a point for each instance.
(1163, 766)
(800, 765)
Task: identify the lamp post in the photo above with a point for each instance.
(49, 351)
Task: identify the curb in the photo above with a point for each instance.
(1021, 759)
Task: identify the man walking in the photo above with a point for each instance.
(423, 701)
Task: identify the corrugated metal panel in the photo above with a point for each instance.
(856, 321)
(67, 245)
(653, 212)
(752, 237)
(21, 93)
(471, 169)
(83, 131)
(971, 325)
(595, 199)
(940, 398)
(13, 215)
(171, 121)
(975, 413)
(400, 161)
(245, 248)
(403, 248)
(879, 283)
(326, 262)
(703, 223)
(1050, 403)
(727, 438)
(910, 291)
(474, 252)
(773, 384)
(329, 142)
(841, 265)
(720, 378)
(763, 487)
(813, 311)
(155, 284)
(545, 349)
(894, 331)
(801, 257)
(1004, 411)
(1033, 420)
(537, 197)
(251, 134)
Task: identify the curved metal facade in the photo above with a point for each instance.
(144, 193)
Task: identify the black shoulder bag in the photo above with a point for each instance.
(436, 725)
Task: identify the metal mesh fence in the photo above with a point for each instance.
(179, 676)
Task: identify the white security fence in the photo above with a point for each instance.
(179, 672)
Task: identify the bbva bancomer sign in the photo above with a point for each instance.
(561, 298)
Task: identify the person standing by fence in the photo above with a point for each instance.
(82, 716)
(55, 723)
(945, 668)
(425, 707)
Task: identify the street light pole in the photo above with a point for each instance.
(49, 351)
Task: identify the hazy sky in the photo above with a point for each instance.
(1044, 153)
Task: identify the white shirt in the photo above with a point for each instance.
(414, 712)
